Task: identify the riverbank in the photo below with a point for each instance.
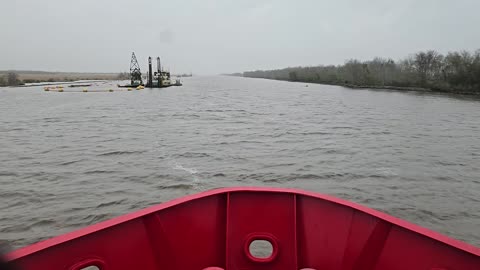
(415, 89)
(21, 77)
(387, 87)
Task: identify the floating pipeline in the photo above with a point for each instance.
(79, 85)
(89, 90)
(60, 88)
(53, 88)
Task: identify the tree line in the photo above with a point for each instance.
(454, 72)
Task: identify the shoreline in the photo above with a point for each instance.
(386, 87)
(58, 83)
(20, 78)
(414, 89)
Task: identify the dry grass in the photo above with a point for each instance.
(60, 76)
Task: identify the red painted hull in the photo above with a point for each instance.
(215, 228)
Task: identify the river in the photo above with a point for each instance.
(73, 159)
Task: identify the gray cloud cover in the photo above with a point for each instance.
(215, 36)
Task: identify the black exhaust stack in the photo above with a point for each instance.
(159, 67)
(150, 79)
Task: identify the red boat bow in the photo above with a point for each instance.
(214, 230)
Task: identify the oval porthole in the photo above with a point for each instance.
(261, 249)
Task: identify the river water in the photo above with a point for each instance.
(68, 160)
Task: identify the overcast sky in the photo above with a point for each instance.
(219, 36)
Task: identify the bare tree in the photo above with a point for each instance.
(428, 65)
(292, 75)
(12, 79)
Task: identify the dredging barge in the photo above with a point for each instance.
(157, 79)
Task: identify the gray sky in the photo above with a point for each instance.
(217, 36)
